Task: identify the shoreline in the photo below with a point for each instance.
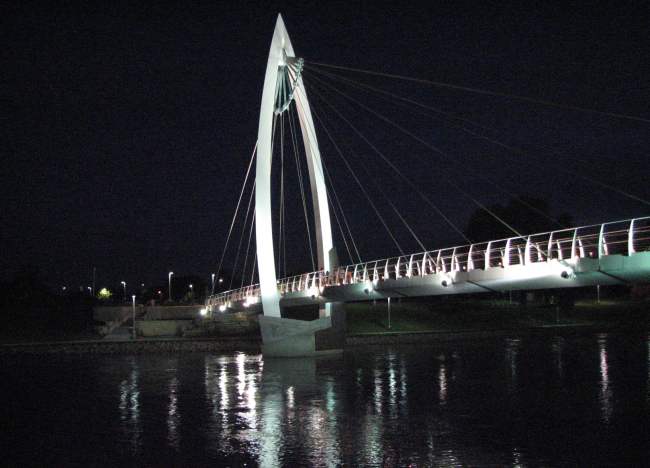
(138, 346)
(233, 344)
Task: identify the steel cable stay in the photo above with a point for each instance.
(358, 182)
(241, 237)
(410, 229)
(431, 147)
(495, 185)
(469, 89)
(363, 190)
(292, 127)
(337, 202)
(338, 223)
(235, 265)
(234, 218)
(294, 131)
(250, 235)
(301, 185)
(512, 149)
(393, 167)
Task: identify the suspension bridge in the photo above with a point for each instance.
(613, 252)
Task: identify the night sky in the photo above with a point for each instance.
(127, 128)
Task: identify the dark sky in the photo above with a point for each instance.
(127, 127)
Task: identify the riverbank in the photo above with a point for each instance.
(411, 321)
(138, 346)
(456, 315)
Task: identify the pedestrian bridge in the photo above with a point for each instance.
(615, 252)
(606, 254)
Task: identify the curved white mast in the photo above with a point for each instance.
(281, 50)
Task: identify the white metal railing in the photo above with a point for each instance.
(595, 241)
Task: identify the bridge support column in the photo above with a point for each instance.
(283, 337)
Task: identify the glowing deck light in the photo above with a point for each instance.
(222, 308)
(203, 312)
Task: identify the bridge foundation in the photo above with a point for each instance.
(284, 337)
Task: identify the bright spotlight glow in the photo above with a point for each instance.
(222, 308)
(203, 312)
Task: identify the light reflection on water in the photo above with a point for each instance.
(173, 415)
(129, 406)
(452, 403)
(605, 390)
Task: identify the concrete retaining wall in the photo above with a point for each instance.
(172, 312)
(112, 313)
(151, 328)
(121, 313)
(239, 323)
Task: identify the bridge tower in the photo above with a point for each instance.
(281, 56)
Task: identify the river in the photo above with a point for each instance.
(520, 399)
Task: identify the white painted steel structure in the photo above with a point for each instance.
(604, 254)
(281, 57)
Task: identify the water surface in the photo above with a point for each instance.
(521, 399)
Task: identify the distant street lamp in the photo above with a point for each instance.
(123, 283)
(213, 275)
(170, 285)
(192, 293)
(133, 298)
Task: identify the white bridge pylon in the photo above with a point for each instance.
(280, 54)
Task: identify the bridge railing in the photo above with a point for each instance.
(595, 241)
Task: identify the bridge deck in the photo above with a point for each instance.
(611, 253)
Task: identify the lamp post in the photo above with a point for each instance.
(170, 285)
(123, 283)
(192, 293)
(133, 299)
(213, 275)
(389, 312)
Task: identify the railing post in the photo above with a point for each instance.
(439, 263)
(506, 256)
(397, 273)
(630, 239)
(470, 260)
(573, 244)
(527, 258)
(423, 271)
(409, 273)
(386, 272)
(487, 255)
(549, 252)
(601, 241)
(354, 275)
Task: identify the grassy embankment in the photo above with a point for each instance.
(459, 314)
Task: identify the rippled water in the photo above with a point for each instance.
(501, 400)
